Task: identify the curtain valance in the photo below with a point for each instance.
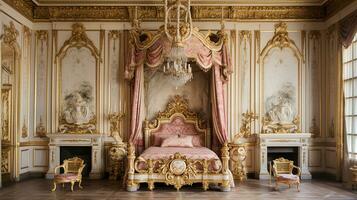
(150, 49)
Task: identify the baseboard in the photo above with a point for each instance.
(32, 175)
(323, 176)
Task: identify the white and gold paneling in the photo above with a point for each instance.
(53, 67)
(42, 58)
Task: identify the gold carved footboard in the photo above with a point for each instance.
(177, 170)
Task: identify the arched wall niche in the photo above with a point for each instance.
(281, 84)
(10, 60)
(78, 84)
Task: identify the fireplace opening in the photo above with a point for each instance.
(84, 153)
(290, 153)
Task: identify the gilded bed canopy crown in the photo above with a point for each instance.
(150, 48)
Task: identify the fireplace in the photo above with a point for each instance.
(292, 146)
(290, 153)
(86, 146)
(83, 152)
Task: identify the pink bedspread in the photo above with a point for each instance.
(196, 153)
(190, 153)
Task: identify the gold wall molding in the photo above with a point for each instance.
(24, 131)
(78, 39)
(41, 60)
(281, 40)
(34, 143)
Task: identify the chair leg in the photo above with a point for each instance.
(79, 184)
(276, 186)
(54, 187)
(72, 185)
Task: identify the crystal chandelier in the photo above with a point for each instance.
(178, 28)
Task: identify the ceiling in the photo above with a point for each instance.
(193, 2)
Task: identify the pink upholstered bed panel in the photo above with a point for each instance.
(178, 126)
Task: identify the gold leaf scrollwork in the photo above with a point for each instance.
(245, 129)
(10, 34)
(41, 129)
(177, 104)
(24, 131)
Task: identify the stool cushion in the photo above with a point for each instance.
(290, 177)
(65, 177)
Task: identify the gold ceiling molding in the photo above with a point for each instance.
(151, 11)
(25, 7)
(69, 13)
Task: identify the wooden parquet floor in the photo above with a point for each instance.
(39, 189)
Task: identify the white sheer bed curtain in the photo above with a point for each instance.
(350, 93)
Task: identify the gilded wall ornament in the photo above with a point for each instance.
(26, 31)
(315, 34)
(5, 164)
(245, 129)
(24, 131)
(314, 129)
(42, 34)
(10, 34)
(41, 129)
(115, 122)
(79, 38)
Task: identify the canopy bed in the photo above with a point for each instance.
(177, 142)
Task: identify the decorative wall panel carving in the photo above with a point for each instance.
(281, 63)
(314, 83)
(78, 83)
(25, 81)
(42, 54)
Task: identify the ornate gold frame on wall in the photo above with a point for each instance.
(177, 170)
(78, 39)
(281, 40)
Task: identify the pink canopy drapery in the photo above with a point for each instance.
(209, 51)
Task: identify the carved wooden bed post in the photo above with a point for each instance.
(225, 168)
(131, 185)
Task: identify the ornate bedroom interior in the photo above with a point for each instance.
(200, 98)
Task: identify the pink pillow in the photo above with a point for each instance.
(176, 141)
(197, 141)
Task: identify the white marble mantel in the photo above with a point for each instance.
(299, 140)
(93, 140)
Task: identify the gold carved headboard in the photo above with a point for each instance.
(177, 118)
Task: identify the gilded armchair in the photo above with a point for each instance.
(73, 168)
(283, 173)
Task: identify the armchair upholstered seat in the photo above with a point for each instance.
(283, 173)
(73, 168)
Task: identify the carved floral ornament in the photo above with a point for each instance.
(10, 34)
(281, 40)
(79, 39)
